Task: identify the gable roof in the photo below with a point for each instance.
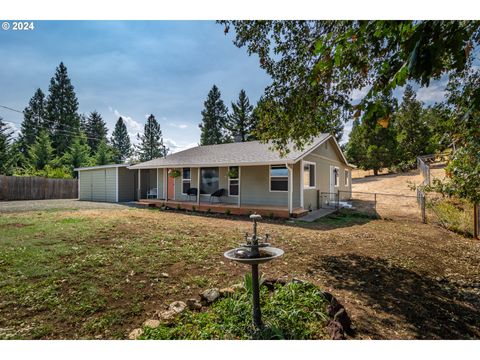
(233, 154)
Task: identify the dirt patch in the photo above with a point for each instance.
(397, 279)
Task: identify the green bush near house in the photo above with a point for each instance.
(293, 311)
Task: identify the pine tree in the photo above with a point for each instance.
(34, 117)
(355, 149)
(78, 153)
(151, 142)
(62, 106)
(95, 130)
(41, 152)
(241, 122)
(103, 155)
(5, 147)
(412, 131)
(121, 142)
(214, 117)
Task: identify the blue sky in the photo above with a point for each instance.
(134, 68)
(131, 69)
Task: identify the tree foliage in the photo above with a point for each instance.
(122, 148)
(214, 118)
(34, 121)
(151, 142)
(95, 130)
(241, 122)
(41, 152)
(316, 65)
(62, 106)
(5, 147)
(78, 153)
(104, 154)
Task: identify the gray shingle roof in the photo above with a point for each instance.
(239, 153)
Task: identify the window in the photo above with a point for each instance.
(186, 178)
(208, 180)
(278, 178)
(233, 181)
(308, 175)
(335, 176)
(346, 177)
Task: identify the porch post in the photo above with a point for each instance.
(198, 186)
(239, 186)
(158, 190)
(302, 174)
(290, 189)
(139, 191)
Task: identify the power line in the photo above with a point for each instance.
(71, 132)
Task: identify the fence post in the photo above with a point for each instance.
(422, 204)
(338, 199)
(375, 202)
(476, 225)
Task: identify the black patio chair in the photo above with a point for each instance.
(192, 192)
(217, 194)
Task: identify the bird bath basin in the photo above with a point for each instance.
(243, 255)
(252, 253)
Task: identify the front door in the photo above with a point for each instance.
(171, 188)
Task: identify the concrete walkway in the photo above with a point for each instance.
(316, 214)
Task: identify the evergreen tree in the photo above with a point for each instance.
(5, 147)
(151, 142)
(241, 123)
(41, 152)
(62, 106)
(78, 153)
(95, 130)
(34, 117)
(104, 154)
(214, 117)
(121, 142)
(412, 131)
(373, 141)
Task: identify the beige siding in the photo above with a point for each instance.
(98, 185)
(126, 184)
(255, 187)
(324, 156)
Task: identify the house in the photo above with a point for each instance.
(254, 177)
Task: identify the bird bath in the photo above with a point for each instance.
(254, 252)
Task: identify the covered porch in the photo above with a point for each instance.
(270, 190)
(226, 208)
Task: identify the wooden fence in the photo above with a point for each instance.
(37, 188)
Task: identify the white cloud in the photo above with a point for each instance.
(431, 94)
(13, 127)
(176, 147)
(179, 126)
(133, 127)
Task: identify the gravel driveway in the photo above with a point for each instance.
(61, 204)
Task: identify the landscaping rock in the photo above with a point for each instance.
(227, 291)
(165, 275)
(166, 315)
(210, 295)
(238, 286)
(335, 330)
(271, 282)
(194, 304)
(134, 334)
(152, 323)
(177, 306)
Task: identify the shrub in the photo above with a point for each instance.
(194, 208)
(178, 207)
(228, 212)
(293, 311)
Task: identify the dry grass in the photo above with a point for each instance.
(97, 273)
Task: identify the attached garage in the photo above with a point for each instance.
(108, 183)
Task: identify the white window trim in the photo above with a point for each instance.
(335, 184)
(347, 175)
(185, 180)
(314, 174)
(237, 179)
(270, 178)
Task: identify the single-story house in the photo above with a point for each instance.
(246, 176)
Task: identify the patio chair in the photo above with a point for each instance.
(192, 192)
(152, 192)
(217, 194)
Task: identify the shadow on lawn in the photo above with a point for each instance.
(432, 309)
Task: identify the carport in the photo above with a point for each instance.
(107, 183)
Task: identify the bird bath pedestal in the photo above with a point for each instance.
(252, 253)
